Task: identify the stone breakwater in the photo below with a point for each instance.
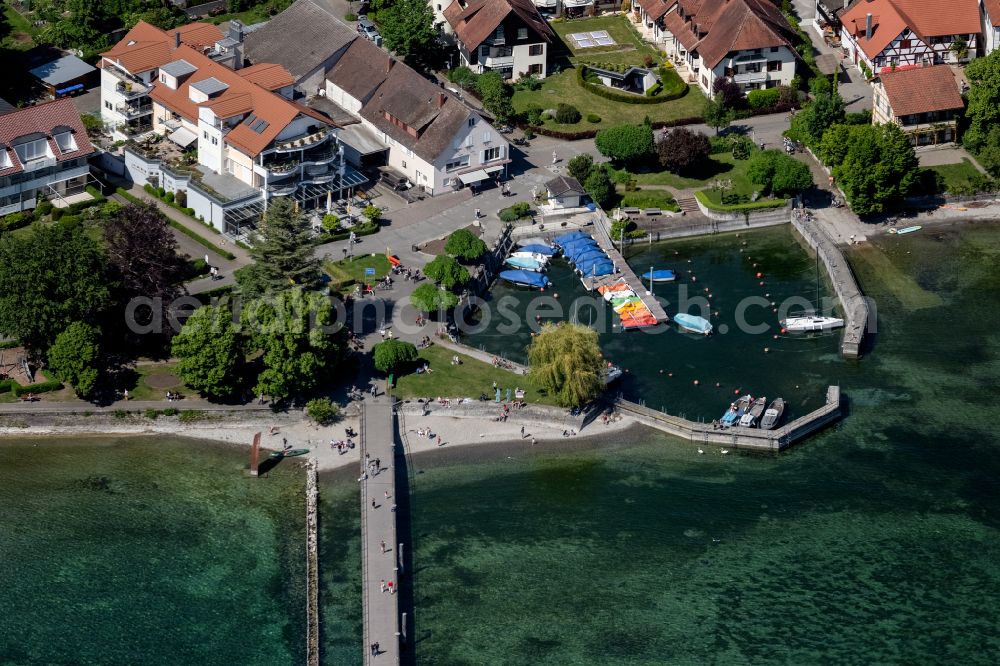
(312, 566)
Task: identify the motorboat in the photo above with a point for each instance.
(773, 414)
(525, 263)
(611, 373)
(525, 278)
(588, 256)
(662, 275)
(537, 248)
(752, 415)
(806, 323)
(736, 411)
(693, 323)
(544, 259)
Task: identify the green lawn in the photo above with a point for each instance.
(957, 176)
(467, 380)
(649, 199)
(618, 27)
(22, 33)
(144, 391)
(349, 271)
(563, 86)
(722, 166)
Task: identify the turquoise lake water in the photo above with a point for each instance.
(148, 551)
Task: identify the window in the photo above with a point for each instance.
(522, 33)
(204, 134)
(457, 163)
(484, 50)
(904, 43)
(774, 49)
(33, 150)
(163, 78)
(404, 164)
(774, 65)
(487, 137)
(107, 105)
(472, 122)
(893, 62)
(66, 142)
(215, 140)
(536, 50)
(491, 154)
(535, 69)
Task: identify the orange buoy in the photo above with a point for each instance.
(783, 331)
(696, 382)
(736, 391)
(670, 374)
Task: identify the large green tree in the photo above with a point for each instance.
(983, 111)
(879, 169)
(389, 354)
(208, 349)
(497, 96)
(717, 115)
(824, 112)
(282, 254)
(52, 275)
(465, 245)
(565, 359)
(579, 167)
(680, 149)
(73, 357)
(300, 341)
(447, 272)
(431, 298)
(600, 187)
(626, 143)
(778, 173)
(407, 27)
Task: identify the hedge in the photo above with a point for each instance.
(16, 220)
(763, 99)
(200, 239)
(669, 93)
(40, 387)
(363, 229)
(732, 208)
(590, 134)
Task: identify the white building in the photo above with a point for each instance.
(505, 36)
(432, 138)
(747, 41)
(990, 12)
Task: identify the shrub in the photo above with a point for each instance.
(57, 213)
(579, 167)
(760, 204)
(763, 99)
(626, 143)
(169, 197)
(44, 208)
(350, 18)
(40, 387)
(323, 411)
(331, 222)
(151, 413)
(17, 220)
(647, 60)
(653, 90)
(372, 213)
(673, 88)
(508, 215)
(464, 77)
(181, 199)
(390, 354)
(533, 115)
(593, 118)
(170, 411)
(160, 192)
(528, 83)
(567, 114)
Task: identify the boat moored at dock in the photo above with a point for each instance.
(525, 263)
(525, 278)
(693, 323)
(662, 275)
(537, 248)
(753, 414)
(773, 414)
(807, 323)
(736, 411)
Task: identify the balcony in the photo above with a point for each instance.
(320, 156)
(282, 169)
(128, 86)
(498, 62)
(38, 163)
(302, 142)
(750, 77)
(282, 190)
(317, 175)
(132, 111)
(749, 57)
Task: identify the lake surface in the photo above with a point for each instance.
(142, 550)
(874, 542)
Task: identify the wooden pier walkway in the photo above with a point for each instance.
(601, 226)
(380, 553)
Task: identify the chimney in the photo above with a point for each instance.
(847, 3)
(177, 39)
(868, 26)
(441, 99)
(236, 30)
(388, 65)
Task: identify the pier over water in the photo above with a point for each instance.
(380, 554)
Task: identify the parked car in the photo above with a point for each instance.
(395, 181)
(368, 30)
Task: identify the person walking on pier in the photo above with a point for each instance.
(383, 545)
(383, 585)
(373, 503)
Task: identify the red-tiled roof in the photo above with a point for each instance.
(43, 119)
(247, 89)
(992, 8)
(268, 76)
(681, 30)
(146, 47)
(479, 19)
(922, 90)
(926, 18)
(656, 8)
(743, 25)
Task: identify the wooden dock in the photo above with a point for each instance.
(379, 565)
(601, 226)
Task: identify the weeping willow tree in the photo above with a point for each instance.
(565, 360)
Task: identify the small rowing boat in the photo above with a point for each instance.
(906, 230)
(537, 248)
(693, 323)
(663, 275)
(537, 256)
(289, 453)
(525, 264)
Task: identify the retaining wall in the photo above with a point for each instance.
(745, 219)
(737, 437)
(856, 306)
(312, 567)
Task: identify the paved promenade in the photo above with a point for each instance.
(378, 527)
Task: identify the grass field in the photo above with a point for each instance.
(562, 86)
(164, 378)
(349, 271)
(467, 380)
(720, 166)
(957, 176)
(649, 199)
(22, 33)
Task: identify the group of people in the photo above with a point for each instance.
(502, 363)
(425, 368)
(425, 342)
(429, 434)
(173, 395)
(342, 445)
(407, 273)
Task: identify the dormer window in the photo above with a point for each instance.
(5, 162)
(32, 150)
(498, 37)
(66, 142)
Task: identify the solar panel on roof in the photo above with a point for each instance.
(249, 119)
(259, 126)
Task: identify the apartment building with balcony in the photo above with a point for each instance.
(924, 101)
(505, 36)
(231, 139)
(746, 41)
(43, 152)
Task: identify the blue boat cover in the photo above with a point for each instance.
(526, 278)
(537, 249)
(571, 236)
(596, 268)
(662, 274)
(585, 257)
(577, 249)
